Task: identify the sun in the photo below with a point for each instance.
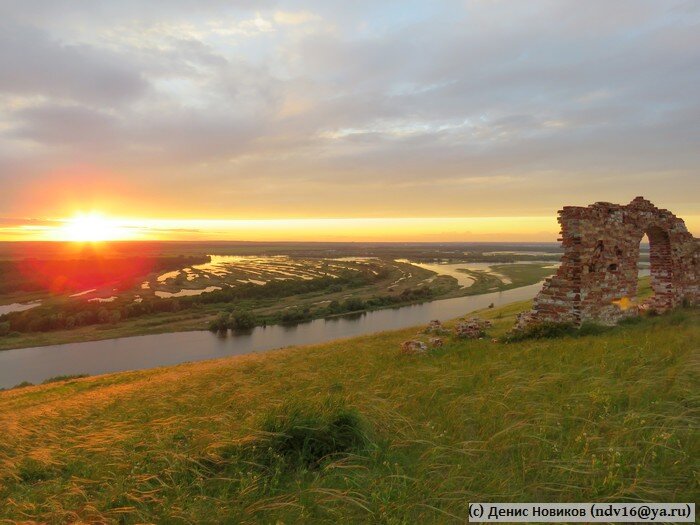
(91, 227)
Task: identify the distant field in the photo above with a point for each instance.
(447, 250)
(607, 417)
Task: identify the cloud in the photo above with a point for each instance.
(65, 124)
(358, 109)
(10, 222)
(46, 12)
(294, 18)
(37, 65)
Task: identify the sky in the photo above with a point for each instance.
(366, 120)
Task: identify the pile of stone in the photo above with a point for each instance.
(435, 327)
(473, 328)
(413, 347)
(435, 342)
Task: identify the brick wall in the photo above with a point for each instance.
(597, 279)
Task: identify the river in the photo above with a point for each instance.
(150, 351)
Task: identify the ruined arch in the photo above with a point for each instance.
(661, 263)
(597, 279)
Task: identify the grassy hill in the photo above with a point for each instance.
(352, 431)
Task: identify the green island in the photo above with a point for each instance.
(355, 431)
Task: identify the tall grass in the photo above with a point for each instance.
(352, 431)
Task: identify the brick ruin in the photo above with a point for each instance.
(597, 279)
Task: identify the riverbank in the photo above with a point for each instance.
(134, 353)
(608, 417)
(267, 311)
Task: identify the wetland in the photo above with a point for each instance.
(130, 289)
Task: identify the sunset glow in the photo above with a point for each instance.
(90, 227)
(96, 227)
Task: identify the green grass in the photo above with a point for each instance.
(353, 432)
(523, 274)
(517, 274)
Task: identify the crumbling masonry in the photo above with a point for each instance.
(597, 279)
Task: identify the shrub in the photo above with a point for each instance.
(353, 304)
(304, 438)
(334, 307)
(242, 320)
(56, 379)
(295, 315)
(39, 324)
(677, 317)
(636, 319)
(544, 330)
(220, 324)
(103, 316)
(296, 437)
(415, 294)
(589, 328)
(32, 471)
(4, 328)
(552, 330)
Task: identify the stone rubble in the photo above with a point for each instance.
(472, 328)
(413, 347)
(435, 327)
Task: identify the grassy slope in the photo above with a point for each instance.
(607, 417)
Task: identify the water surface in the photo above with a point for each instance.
(187, 292)
(149, 351)
(453, 270)
(17, 307)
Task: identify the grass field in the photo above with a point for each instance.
(352, 431)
